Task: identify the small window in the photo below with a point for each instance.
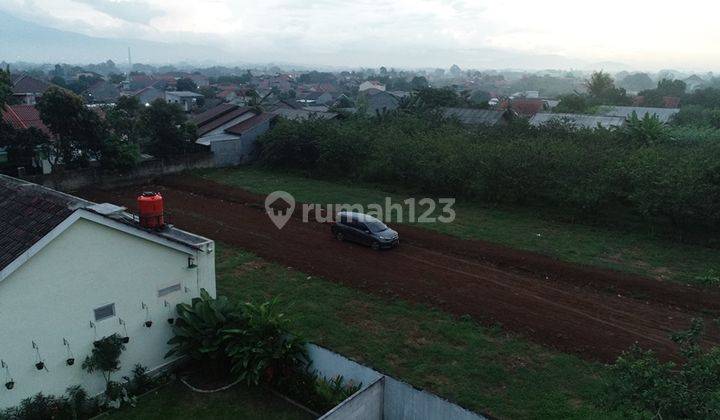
(170, 289)
(105, 312)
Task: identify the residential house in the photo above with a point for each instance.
(101, 92)
(578, 120)
(73, 272)
(303, 114)
(663, 114)
(371, 84)
(27, 89)
(187, 100)
(475, 117)
(526, 107)
(378, 101)
(230, 131)
(147, 95)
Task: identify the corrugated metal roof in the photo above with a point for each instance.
(663, 114)
(472, 116)
(302, 114)
(578, 120)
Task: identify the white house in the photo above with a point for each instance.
(371, 84)
(72, 272)
(187, 100)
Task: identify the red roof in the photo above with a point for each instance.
(527, 107)
(24, 116)
(250, 123)
(215, 117)
(671, 102)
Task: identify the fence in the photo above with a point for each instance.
(75, 180)
(381, 397)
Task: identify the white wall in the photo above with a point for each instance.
(52, 296)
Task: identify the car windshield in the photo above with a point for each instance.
(376, 226)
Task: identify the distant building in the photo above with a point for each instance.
(101, 92)
(230, 131)
(577, 120)
(27, 89)
(303, 114)
(147, 95)
(187, 100)
(663, 114)
(378, 101)
(526, 107)
(472, 116)
(371, 84)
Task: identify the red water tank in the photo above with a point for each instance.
(150, 207)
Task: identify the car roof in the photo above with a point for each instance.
(361, 217)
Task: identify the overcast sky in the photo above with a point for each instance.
(408, 33)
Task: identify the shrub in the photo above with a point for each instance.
(198, 331)
(317, 392)
(105, 357)
(263, 351)
(642, 384)
(75, 405)
(252, 339)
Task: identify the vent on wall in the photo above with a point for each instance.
(170, 289)
(104, 312)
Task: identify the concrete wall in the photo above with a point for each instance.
(400, 401)
(52, 297)
(75, 180)
(366, 404)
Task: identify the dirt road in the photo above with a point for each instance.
(587, 311)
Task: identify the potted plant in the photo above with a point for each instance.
(10, 384)
(126, 339)
(70, 361)
(148, 323)
(171, 321)
(39, 365)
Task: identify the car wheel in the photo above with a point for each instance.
(375, 245)
(339, 236)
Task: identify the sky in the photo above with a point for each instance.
(641, 34)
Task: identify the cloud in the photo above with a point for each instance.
(404, 32)
(133, 11)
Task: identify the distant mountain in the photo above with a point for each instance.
(27, 41)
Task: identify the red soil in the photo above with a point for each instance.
(591, 312)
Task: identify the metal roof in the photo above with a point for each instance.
(472, 116)
(578, 120)
(663, 114)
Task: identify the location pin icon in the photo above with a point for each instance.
(279, 206)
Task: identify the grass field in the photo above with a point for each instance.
(483, 369)
(175, 401)
(522, 229)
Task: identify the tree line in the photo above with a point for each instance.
(640, 173)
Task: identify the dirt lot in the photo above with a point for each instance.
(587, 311)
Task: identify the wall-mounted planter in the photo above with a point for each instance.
(148, 324)
(70, 361)
(171, 321)
(39, 365)
(10, 384)
(126, 339)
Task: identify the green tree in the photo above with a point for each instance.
(5, 88)
(22, 146)
(166, 130)
(419, 83)
(435, 98)
(186, 84)
(105, 357)
(79, 132)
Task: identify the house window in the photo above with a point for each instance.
(167, 290)
(105, 312)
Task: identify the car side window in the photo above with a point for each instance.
(360, 226)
